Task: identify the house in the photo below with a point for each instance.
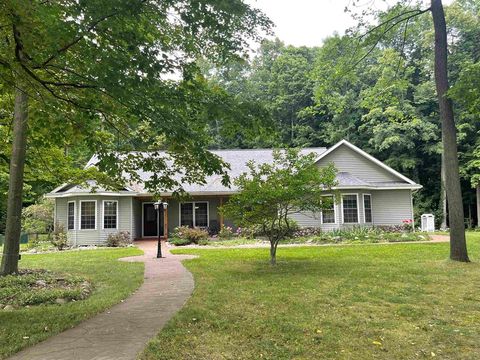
(371, 194)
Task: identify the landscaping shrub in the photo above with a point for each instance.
(179, 242)
(35, 287)
(59, 237)
(306, 232)
(194, 235)
(119, 239)
(213, 229)
(226, 233)
(360, 234)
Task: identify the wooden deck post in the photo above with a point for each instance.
(165, 224)
(221, 214)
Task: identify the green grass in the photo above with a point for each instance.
(113, 281)
(390, 301)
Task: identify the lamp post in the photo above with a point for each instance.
(157, 205)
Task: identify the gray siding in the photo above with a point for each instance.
(347, 160)
(389, 207)
(99, 235)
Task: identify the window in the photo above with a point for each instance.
(186, 214)
(194, 214)
(201, 214)
(367, 207)
(110, 209)
(350, 209)
(71, 215)
(88, 215)
(328, 215)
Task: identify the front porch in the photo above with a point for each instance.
(197, 211)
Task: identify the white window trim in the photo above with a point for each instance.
(80, 216)
(194, 220)
(334, 211)
(74, 215)
(358, 209)
(103, 215)
(371, 208)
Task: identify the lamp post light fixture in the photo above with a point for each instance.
(158, 205)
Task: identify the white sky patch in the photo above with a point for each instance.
(309, 22)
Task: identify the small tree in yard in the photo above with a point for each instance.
(270, 193)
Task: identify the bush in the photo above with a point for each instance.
(36, 287)
(213, 229)
(306, 232)
(38, 218)
(59, 237)
(194, 235)
(119, 239)
(226, 233)
(179, 242)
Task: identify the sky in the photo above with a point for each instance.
(309, 22)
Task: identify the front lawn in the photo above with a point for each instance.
(112, 281)
(391, 301)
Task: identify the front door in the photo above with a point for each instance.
(150, 220)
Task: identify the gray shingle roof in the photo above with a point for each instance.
(238, 160)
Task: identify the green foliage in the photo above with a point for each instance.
(38, 218)
(226, 232)
(112, 281)
(59, 236)
(381, 98)
(327, 302)
(363, 234)
(193, 235)
(41, 287)
(119, 239)
(179, 241)
(270, 193)
(110, 77)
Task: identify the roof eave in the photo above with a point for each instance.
(53, 195)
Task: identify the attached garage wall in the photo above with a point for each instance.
(390, 207)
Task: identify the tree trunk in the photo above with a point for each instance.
(478, 205)
(458, 246)
(273, 253)
(443, 197)
(11, 248)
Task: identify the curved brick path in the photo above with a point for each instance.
(122, 331)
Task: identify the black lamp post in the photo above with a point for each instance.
(157, 205)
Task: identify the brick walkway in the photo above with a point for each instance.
(123, 331)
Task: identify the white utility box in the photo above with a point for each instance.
(428, 222)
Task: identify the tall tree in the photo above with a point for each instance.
(102, 68)
(458, 246)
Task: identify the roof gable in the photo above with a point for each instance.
(349, 158)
